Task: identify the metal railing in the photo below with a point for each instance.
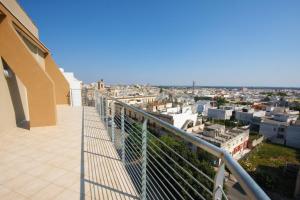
(163, 171)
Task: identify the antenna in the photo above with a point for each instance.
(193, 87)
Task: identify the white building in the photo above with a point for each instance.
(234, 141)
(292, 138)
(216, 113)
(75, 88)
(182, 117)
(248, 115)
(286, 117)
(202, 107)
(273, 129)
(282, 114)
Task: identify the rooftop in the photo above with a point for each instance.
(67, 161)
(274, 122)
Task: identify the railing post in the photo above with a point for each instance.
(122, 135)
(218, 181)
(99, 103)
(113, 122)
(102, 107)
(107, 113)
(144, 160)
(96, 100)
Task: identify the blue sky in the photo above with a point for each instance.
(214, 42)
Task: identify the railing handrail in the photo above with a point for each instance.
(252, 189)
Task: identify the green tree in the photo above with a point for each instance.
(165, 166)
(165, 155)
(221, 101)
(267, 99)
(282, 94)
(197, 98)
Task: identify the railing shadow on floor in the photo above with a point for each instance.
(103, 175)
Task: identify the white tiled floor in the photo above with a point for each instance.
(46, 163)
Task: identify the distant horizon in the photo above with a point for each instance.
(209, 86)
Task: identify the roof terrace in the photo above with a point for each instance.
(73, 160)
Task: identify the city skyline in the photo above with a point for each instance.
(173, 43)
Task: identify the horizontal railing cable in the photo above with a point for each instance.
(186, 161)
(176, 173)
(186, 172)
(155, 184)
(170, 184)
(161, 183)
(158, 171)
(117, 120)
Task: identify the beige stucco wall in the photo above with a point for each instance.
(7, 115)
(36, 52)
(61, 84)
(38, 84)
(13, 101)
(40, 87)
(24, 98)
(19, 13)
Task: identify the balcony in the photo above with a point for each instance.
(101, 153)
(67, 161)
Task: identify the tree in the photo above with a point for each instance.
(282, 94)
(133, 141)
(197, 98)
(166, 150)
(165, 168)
(221, 101)
(267, 99)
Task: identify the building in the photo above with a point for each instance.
(182, 118)
(282, 114)
(281, 132)
(289, 117)
(219, 114)
(202, 107)
(75, 88)
(101, 86)
(292, 138)
(133, 100)
(246, 116)
(270, 128)
(233, 140)
(159, 106)
(31, 84)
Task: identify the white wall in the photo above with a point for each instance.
(293, 136)
(269, 130)
(180, 119)
(75, 88)
(202, 107)
(219, 113)
(244, 116)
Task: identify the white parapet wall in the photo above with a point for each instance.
(75, 88)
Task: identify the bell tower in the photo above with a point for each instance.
(101, 86)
